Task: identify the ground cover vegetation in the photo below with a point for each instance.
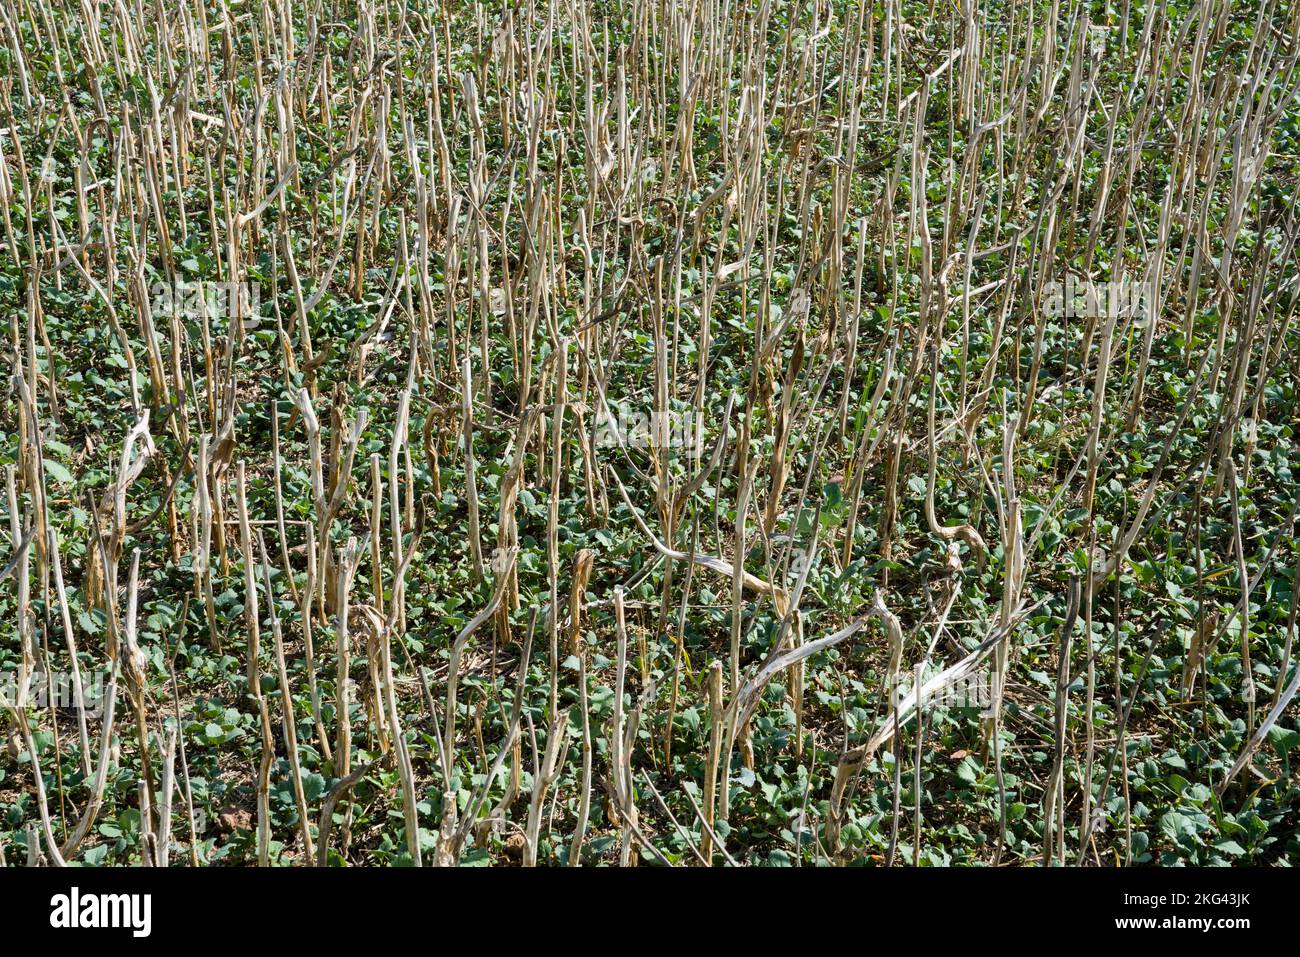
(649, 432)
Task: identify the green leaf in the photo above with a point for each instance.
(58, 472)
(95, 856)
(1283, 740)
(1177, 827)
(968, 771)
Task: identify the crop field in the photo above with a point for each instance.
(692, 433)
